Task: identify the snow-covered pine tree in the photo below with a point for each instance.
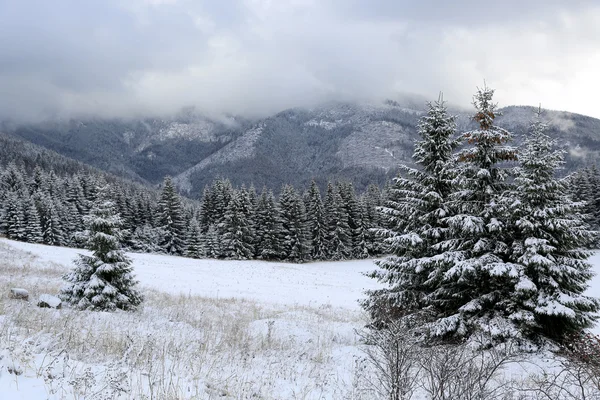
(52, 231)
(584, 185)
(147, 239)
(295, 244)
(211, 242)
(371, 201)
(222, 192)
(170, 219)
(362, 238)
(475, 291)
(73, 222)
(14, 217)
(339, 239)
(32, 225)
(315, 214)
(12, 179)
(103, 281)
(207, 209)
(269, 229)
(549, 244)
(355, 223)
(236, 235)
(194, 248)
(74, 195)
(248, 207)
(415, 211)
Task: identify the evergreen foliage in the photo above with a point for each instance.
(416, 212)
(316, 222)
(548, 247)
(474, 291)
(104, 280)
(195, 248)
(237, 235)
(339, 238)
(474, 251)
(295, 244)
(269, 234)
(170, 216)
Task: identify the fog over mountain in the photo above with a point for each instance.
(253, 58)
(360, 142)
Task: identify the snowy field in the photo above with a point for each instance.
(337, 284)
(209, 329)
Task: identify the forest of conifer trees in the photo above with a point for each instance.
(41, 206)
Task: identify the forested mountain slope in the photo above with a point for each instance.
(358, 142)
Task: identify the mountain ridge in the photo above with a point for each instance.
(362, 143)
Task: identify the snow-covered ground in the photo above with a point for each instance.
(208, 329)
(337, 284)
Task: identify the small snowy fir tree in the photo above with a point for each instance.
(415, 214)
(549, 246)
(103, 281)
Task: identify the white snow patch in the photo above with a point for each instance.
(338, 284)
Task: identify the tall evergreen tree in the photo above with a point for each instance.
(194, 248)
(475, 290)
(237, 237)
(295, 244)
(418, 203)
(32, 225)
(353, 213)
(371, 201)
(339, 239)
(548, 250)
(103, 281)
(52, 230)
(248, 207)
(269, 228)
(315, 214)
(211, 242)
(170, 219)
(14, 217)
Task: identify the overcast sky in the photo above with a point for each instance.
(137, 57)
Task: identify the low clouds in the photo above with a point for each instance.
(70, 58)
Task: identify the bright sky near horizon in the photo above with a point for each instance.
(253, 57)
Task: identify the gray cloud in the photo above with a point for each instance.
(114, 58)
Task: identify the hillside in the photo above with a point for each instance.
(358, 142)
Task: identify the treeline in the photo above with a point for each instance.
(47, 207)
(239, 223)
(585, 186)
(44, 198)
(42, 206)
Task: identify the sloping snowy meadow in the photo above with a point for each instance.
(208, 329)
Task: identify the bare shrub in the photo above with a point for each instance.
(403, 367)
(465, 371)
(394, 353)
(575, 373)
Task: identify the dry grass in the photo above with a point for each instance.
(175, 347)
